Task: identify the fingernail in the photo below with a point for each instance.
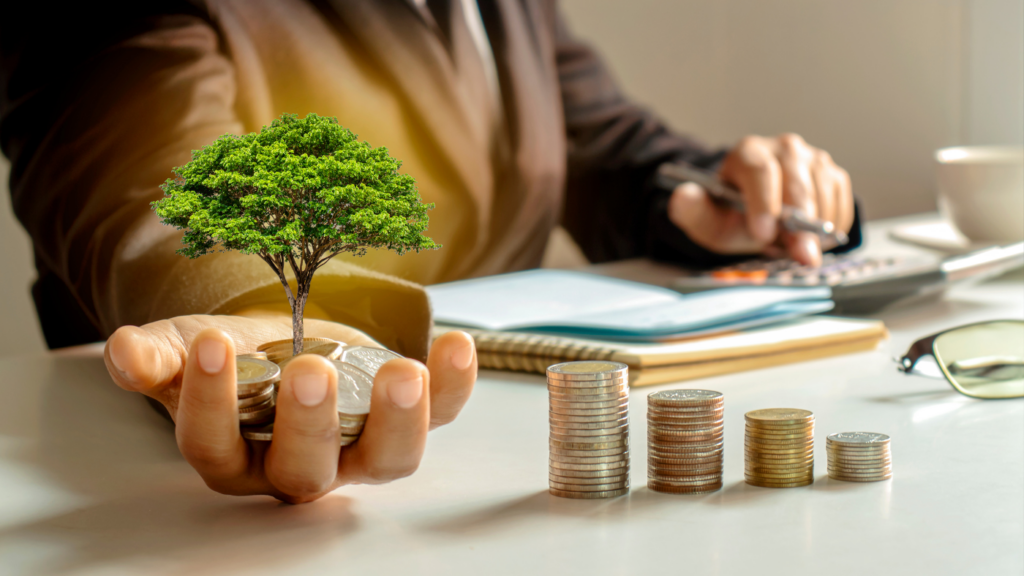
(310, 389)
(212, 355)
(406, 393)
(117, 359)
(763, 227)
(463, 357)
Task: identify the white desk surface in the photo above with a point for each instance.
(91, 482)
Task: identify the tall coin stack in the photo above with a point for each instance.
(685, 441)
(589, 433)
(858, 456)
(779, 447)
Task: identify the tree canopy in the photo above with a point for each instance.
(298, 192)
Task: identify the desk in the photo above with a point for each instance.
(91, 482)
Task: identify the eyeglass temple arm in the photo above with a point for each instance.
(922, 347)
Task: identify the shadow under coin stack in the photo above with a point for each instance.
(257, 391)
(589, 433)
(779, 447)
(685, 441)
(858, 456)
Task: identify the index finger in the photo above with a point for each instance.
(753, 168)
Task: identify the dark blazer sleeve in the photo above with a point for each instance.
(613, 209)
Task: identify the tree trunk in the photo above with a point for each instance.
(302, 285)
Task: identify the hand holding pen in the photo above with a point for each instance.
(789, 198)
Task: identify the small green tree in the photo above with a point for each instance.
(297, 193)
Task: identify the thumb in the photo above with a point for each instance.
(715, 227)
(139, 361)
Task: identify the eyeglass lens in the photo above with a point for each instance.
(984, 360)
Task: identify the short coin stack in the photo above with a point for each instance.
(257, 393)
(685, 441)
(779, 447)
(858, 456)
(589, 433)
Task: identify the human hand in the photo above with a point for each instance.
(188, 364)
(769, 172)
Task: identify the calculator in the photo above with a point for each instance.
(863, 284)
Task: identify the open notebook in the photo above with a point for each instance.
(577, 304)
(656, 363)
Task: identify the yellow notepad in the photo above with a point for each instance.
(783, 343)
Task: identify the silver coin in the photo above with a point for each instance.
(585, 384)
(858, 438)
(355, 387)
(367, 359)
(683, 397)
(588, 481)
(263, 433)
(552, 451)
(589, 460)
(252, 375)
(573, 411)
(591, 368)
(258, 398)
(604, 473)
(589, 439)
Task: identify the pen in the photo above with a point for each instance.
(793, 219)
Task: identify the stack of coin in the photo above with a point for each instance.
(858, 456)
(589, 433)
(779, 448)
(256, 380)
(685, 441)
(356, 368)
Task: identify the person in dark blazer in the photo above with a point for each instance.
(511, 126)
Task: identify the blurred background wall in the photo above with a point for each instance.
(879, 83)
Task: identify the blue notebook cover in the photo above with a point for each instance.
(592, 306)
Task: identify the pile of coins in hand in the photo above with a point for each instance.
(779, 448)
(589, 429)
(858, 456)
(259, 374)
(685, 441)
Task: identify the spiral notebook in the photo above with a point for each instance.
(798, 340)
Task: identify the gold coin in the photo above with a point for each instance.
(607, 406)
(564, 472)
(553, 416)
(257, 398)
(624, 457)
(779, 416)
(588, 495)
(671, 489)
(758, 444)
(588, 487)
(851, 479)
(253, 356)
(587, 453)
(662, 421)
(587, 435)
(581, 401)
(589, 481)
(603, 445)
(787, 477)
(709, 425)
(605, 425)
(682, 473)
(687, 452)
(768, 484)
(258, 433)
(557, 465)
(690, 481)
(662, 461)
(767, 436)
(573, 411)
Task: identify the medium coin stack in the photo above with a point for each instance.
(589, 432)
(257, 394)
(685, 441)
(779, 446)
(858, 456)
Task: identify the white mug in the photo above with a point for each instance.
(981, 191)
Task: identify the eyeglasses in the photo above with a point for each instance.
(983, 360)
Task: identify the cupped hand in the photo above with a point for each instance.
(769, 172)
(188, 364)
